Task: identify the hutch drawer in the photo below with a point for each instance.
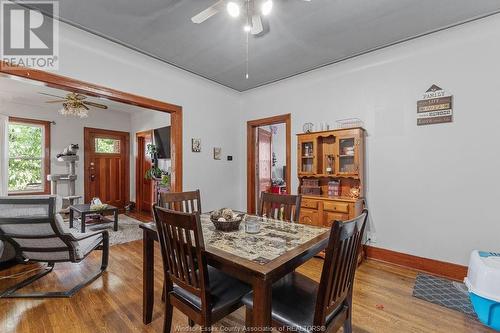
(310, 203)
(334, 206)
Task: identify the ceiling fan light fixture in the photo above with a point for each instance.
(266, 7)
(74, 109)
(233, 9)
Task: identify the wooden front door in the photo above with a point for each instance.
(106, 163)
(263, 161)
(144, 186)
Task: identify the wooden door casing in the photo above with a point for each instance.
(90, 89)
(107, 176)
(252, 125)
(144, 186)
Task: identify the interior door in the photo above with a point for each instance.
(144, 186)
(106, 162)
(263, 161)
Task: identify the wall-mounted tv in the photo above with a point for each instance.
(162, 142)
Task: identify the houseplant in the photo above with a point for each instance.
(162, 177)
(154, 172)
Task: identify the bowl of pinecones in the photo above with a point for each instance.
(226, 220)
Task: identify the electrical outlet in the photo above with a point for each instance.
(372, 237)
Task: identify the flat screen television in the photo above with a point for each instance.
(162, 142)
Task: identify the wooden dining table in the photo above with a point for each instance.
(258, 259)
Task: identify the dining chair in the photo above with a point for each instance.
(280, 206)
(203, 293)
(301, 304)
(186, 202)
(38, 234)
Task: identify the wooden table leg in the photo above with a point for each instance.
(116, 220)
(83, 218)
(148, 278)
(262, 296)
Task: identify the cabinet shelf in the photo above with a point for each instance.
(307, 156)
(327, 175)
(346, 155)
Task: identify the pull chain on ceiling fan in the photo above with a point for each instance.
(252, 21)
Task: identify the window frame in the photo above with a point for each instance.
(46, 154)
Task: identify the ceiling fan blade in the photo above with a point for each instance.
(41, 93)
(80, 97)
(58, 101)
(207, 13)
(256, 25)
(96, 105)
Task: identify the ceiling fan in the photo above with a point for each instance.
(253, 9)
(74, 104)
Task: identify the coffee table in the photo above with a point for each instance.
(84, 210)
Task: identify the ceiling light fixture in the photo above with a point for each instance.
(233, 9)
(266, 7)
(74, 109)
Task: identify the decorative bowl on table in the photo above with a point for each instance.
(226, 220)
(98, 206)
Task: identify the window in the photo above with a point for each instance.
(29, 156)
(107, 146)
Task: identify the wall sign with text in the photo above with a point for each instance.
(435, 107)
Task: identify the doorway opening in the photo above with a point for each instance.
(268, 157)
(117, 154)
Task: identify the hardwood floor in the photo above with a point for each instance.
(141, 216)
(113, 303)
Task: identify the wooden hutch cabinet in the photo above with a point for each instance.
(331, 175)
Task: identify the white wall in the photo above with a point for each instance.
(145, 120)
(432, 190)
(210, 111)
(67, 130)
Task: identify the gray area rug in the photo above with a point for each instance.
(450, 294)
(128, 229)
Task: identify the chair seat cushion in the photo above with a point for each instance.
(224, 290)
(294, 302)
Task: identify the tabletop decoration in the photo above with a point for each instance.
(225, 219)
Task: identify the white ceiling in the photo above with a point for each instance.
(27, 92)
(300, 35)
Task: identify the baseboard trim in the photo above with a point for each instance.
(431, 266)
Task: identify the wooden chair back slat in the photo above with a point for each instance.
(194, 278)
(340, 264)
(181, 242)
(186, 202)
(281, 207)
